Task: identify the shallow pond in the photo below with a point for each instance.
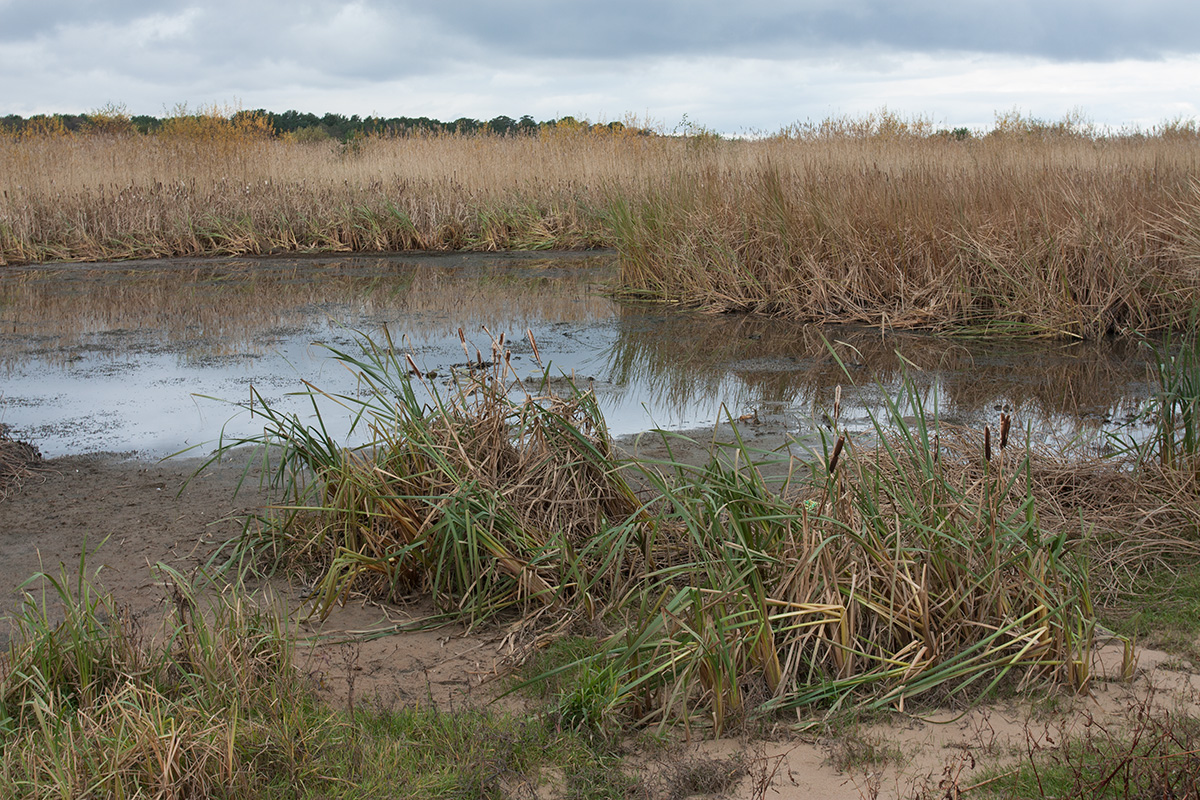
(151, 357)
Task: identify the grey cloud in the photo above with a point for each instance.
(1063, 30)
(22, 20)
(550, 57)
(228, 43)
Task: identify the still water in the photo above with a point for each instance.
(151, 358)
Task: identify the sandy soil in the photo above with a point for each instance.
(130, 515)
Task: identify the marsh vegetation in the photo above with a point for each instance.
(915, 566)
(912, 564)
(1034, 228)
(920, 558)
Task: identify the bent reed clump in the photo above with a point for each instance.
(935, 563)
(1033, 228)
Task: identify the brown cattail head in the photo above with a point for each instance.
(937, 450)
(533, 343)
(987, 443)
(412, 365)
(1005, 421)
(837, 451)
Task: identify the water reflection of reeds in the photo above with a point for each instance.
(232, 307)
(676, 358)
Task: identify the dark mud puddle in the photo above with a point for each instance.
(148, 357)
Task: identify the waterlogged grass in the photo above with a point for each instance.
(1173, 415)
(872, 576)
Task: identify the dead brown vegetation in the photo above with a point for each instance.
(18, 460)
(1058, 236)
(1051, 230)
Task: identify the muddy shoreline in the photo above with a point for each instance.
(131, 514)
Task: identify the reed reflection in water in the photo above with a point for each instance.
(123, 356)
(243, 306)
(114, 356)
(781, 366)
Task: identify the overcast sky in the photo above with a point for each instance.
(736, 67)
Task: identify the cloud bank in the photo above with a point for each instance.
(753, 65)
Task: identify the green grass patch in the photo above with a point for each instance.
(426, 752)
(1162, 610)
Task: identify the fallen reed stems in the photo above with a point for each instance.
(18, 461)
(923, 562)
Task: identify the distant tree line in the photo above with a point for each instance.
(296, 124)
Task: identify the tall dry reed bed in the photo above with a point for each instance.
(1045, 231)
(933, 562)
(212, 192)
(1059, 236)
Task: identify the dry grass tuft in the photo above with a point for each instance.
(89, 706)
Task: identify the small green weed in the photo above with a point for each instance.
(1146, 754)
